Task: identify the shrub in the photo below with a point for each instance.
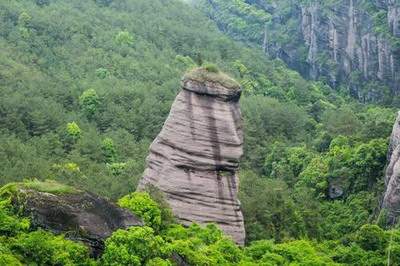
(141, 204)
(134, 246)
(211, 68)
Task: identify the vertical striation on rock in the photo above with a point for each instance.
(391, 198)
(195, 157)
(341, 41)
(394, 17)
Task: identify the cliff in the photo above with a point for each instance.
(391, 197)
(351, 44)
(195, 157)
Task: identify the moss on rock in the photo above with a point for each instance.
(204, 74)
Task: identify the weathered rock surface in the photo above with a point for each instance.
(80, 215)
(195, 157)
(391, 198)
(343, 46)
(349, 43)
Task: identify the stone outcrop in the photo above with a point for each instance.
(391, 198)
(195, 157)
(80, 215)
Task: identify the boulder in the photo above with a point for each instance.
(80, 215)
(195, 158)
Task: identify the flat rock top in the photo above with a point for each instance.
(216, 84)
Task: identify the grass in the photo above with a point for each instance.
(211, 73)
(49, 186)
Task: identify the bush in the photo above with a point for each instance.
(134, 246)
(43, 248)
(211, 68)
(141, 204)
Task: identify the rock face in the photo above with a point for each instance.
(80, 215)
(195, 157)
(344, 44)
(391, 198)
(349, 43)
(353, 50)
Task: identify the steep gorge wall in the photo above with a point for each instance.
(345, 45)
(350, 43)
(195, 157)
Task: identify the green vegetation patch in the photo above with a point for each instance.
(49, 186)
(211, 73)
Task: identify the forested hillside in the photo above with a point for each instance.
(86, 86)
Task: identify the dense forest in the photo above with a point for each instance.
(87, 85)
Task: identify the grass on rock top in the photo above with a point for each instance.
(212, 74)
(48, 186)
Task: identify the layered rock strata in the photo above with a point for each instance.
(195, 157)
(391, 198)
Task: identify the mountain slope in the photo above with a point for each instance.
(86, 86)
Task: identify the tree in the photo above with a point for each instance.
(109, 150)
(124, 38)
(134, 246)
(141, 204)
(73, 131)
(89, 102)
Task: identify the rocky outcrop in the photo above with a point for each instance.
(195, 157)
(391, 198)
(80, 215)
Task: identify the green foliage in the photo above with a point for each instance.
(20, 246)
(124, 38)
(301, 137)
(109, 150)
(341, 122)
(44, 248)
(49, 186)
(211, 68)
(73, 130)
(10, 224)
(210, 72)
(141, 204)
(371, 237)
(89, 101)
(134, 246)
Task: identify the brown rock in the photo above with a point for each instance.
(195, 157)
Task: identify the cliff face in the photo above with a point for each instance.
(195, 157)
(345, 44)
(391, 198)
(350, 43)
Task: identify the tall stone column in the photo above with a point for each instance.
(195, 158)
